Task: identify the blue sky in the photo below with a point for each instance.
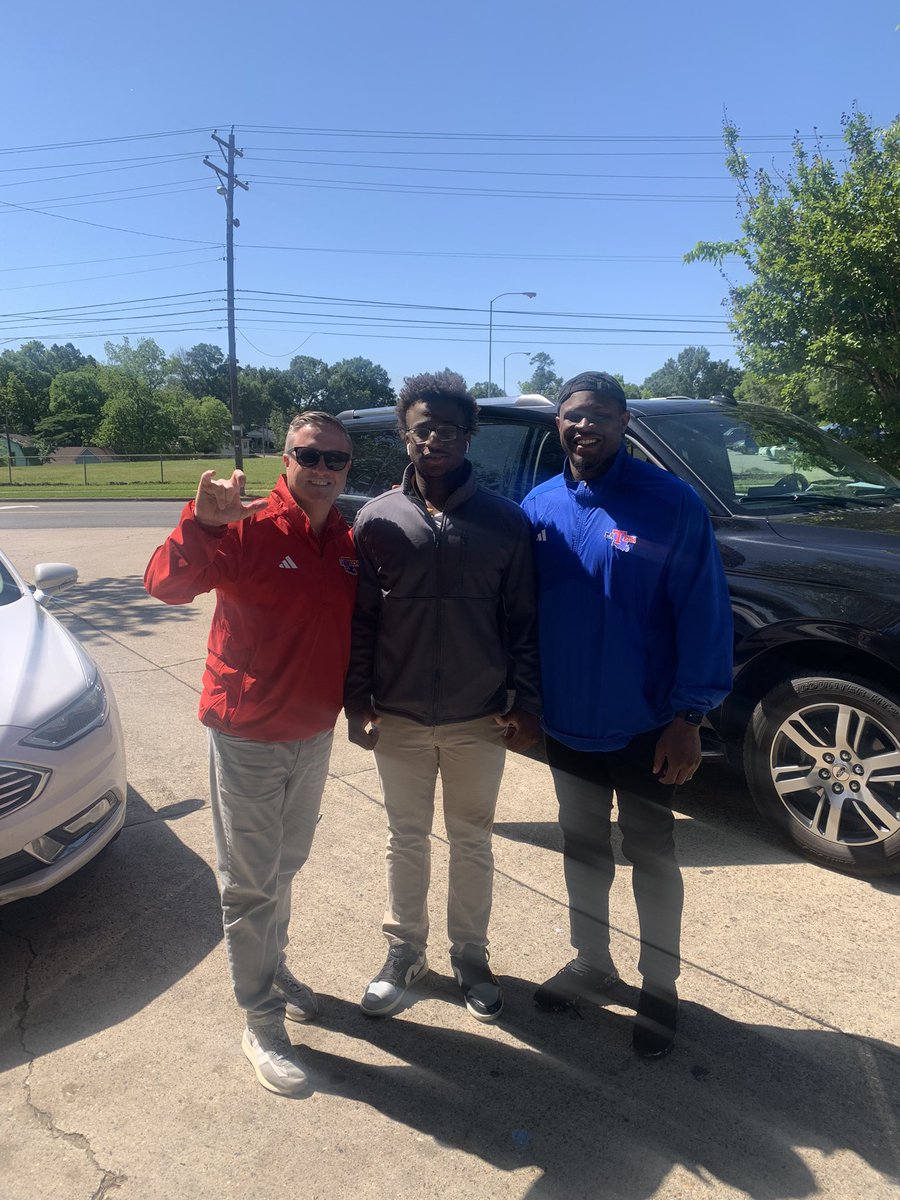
(572, 149)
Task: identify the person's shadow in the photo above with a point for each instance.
(105, 942)
(739, 1103)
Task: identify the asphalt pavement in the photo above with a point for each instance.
(121, 1071)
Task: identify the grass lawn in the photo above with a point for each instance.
(152, 479)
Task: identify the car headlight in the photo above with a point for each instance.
(74, 721)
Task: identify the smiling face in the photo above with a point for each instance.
(315, 488)
(591, 427)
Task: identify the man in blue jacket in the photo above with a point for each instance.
(635, 646)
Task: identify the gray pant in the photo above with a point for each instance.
(469, 756)
(265, 804)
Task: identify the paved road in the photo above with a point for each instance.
(120, 1065)
(86, 514)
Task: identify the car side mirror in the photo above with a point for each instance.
(50, 578)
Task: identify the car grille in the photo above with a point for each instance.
(18, 785)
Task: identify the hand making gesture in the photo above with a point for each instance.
(219, 502)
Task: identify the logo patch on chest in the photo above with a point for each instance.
(350, 565)
(620, 539)
(288, 564)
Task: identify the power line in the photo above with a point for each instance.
(149, 191)
(115, 228)
(107, 141)
(516, 257)
(112, 275)
(422, 189)
(84, 262)
(579, 153)
(453, 170)
(305, 296)
(136, 165)
(571, 138)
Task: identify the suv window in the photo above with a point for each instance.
(511, 457)
(379, 460)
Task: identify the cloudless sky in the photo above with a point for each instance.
(407, 163)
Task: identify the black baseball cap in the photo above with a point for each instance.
(592, 381)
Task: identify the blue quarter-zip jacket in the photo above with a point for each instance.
(633, 608)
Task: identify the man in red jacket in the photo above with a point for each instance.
(284, 572)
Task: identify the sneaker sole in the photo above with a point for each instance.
(267, 1084)
(387, 1009)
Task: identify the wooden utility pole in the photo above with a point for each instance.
(226, 189)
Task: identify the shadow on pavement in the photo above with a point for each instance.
(121, 605)
(735, 1102)
(724, 828)
(100, 946)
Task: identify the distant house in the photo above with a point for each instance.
(67, 455)
(257, 441)
(21, 447)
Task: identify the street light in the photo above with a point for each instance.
(527, 354)
(530, 295)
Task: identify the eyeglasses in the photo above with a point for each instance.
(445, 432)
(335, 460)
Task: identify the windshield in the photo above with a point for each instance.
(9, 589)
(759, 461)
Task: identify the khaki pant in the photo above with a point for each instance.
(265, 805)
(469, 756)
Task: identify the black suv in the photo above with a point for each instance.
(808, 532)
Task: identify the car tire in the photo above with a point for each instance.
(822, 760)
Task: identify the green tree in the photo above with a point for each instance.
(544, 381)
(632, 390)
(822, 247)
(263, 389)
(203, 426)
(693, 373)
(308, 378)
(277, 426)
(16, 405)
(134, 419)
(76, 402)
(145, 361)
(356, 383)
(484, 389)
(201, 371)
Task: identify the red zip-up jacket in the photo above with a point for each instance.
(280, 636)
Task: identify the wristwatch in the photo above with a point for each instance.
(693, 716)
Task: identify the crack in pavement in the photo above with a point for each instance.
(108, 1179)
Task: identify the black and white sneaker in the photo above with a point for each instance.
(480, 988)
(573, 982)
(403, 967)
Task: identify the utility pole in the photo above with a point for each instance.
(226, 189)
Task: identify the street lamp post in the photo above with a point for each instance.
(530, 295)
(511, 354)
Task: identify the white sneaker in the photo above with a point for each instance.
(404, 966)
(274, 1059)
(301, 1003)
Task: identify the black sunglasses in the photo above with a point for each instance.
(335, 460)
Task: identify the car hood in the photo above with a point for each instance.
(856, 532)
(44, 668)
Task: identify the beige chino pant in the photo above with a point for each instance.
(469, 756)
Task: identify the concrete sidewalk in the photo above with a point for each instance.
(122, 1072)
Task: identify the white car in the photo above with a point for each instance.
(62, 757)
